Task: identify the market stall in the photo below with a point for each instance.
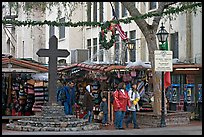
(105, 78)
(18, 95)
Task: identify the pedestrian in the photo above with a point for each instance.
(104, 110)
(67, 97)
(59, 90)
(88, 103)
(134, 99)
(120, 104)
(72, 92)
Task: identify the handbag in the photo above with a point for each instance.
(100, 115)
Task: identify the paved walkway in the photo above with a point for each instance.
(195, 128)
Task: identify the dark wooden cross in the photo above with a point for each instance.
(52, 53)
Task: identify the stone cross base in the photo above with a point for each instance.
(52, 118)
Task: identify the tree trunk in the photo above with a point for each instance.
(156, 76)
(149, 32)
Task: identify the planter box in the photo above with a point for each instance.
(149, 119)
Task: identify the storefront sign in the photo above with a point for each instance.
(163, 60)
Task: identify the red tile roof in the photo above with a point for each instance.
(25, 64)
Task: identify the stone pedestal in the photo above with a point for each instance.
(52, 118)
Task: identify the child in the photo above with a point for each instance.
(104, 109)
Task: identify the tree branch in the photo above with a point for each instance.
(161, 7)
(142, 24)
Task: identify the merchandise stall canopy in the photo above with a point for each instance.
(138, 65)
(40, 76)
(17, 65)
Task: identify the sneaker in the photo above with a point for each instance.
(126, 124)
(137, 127)
(121, 128)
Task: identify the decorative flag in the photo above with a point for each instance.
(118, 27)
(121, 32)
(167, 79)
(167, 76)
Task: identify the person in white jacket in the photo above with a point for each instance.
(134, 99)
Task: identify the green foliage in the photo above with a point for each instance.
(190, 7)
(103, 38)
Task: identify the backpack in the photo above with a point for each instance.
(62, 95)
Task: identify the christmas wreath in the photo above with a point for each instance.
(107, 35)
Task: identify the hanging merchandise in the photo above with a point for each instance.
(133, 73)
(127, 77)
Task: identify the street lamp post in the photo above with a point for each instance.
(162, 36)
(130, 46)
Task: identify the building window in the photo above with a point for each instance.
(117, 49)
(126, 59)
(89, 11)
(133, 52)
(95, 11)
(174, 44)
(94, 49)
(52, 30)
(152, 5)
(62, 29)
(117, 10)
(124, 11)
(62, 62)
(101, 12)
(101, 54)
(89, 47)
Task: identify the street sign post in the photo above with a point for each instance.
(163, 60)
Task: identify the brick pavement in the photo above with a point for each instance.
(192, 123)
(111, 126)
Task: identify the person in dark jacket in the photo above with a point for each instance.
(88, 103)
(104, 109)
(70, 98)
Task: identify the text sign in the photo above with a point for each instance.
(163, 60)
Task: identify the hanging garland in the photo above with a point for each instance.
(169, 11)
(107, 35)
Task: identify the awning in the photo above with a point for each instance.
(21, 66)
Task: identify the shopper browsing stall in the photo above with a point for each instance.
(120, 103)
(88, 103)
(104, 110)
(134, 99)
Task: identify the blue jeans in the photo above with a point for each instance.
(67, 108)
(132, 117)
(105, 119)
(119, 116)
(89, 115)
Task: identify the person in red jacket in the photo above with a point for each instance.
(120, 104)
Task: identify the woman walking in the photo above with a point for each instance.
(134, 99)
(120, 104)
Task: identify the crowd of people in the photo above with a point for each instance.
(125, 102)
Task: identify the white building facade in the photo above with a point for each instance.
(184, 34)
(24, 41)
